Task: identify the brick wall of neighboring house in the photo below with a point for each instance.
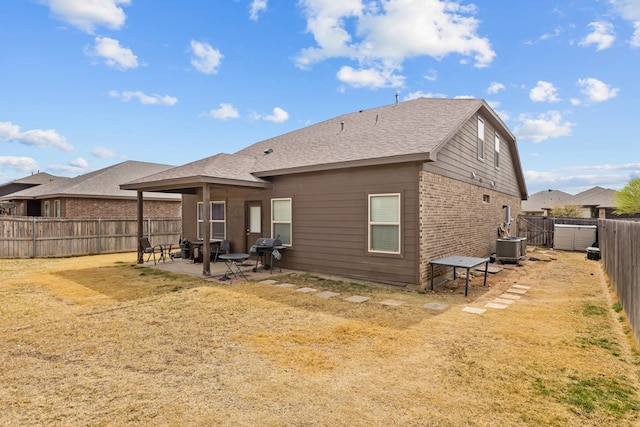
(116, 208)
(456, 218)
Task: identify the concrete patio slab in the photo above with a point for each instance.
(474, 310)
(306, 290)
(286, 285)
(327, 294)
(494, 305)
(517, 291)
(268, 282)
(510, 296)
(503, 301)
(357, 299)
(392, 302)
(435, 306)
(521, 287)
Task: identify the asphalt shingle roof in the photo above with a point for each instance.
(103, 183)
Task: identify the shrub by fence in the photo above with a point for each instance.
(31, 237)
(619, 244)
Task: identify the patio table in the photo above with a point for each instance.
(459, 261)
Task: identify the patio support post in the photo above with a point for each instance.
(206, 230)
(140, 213)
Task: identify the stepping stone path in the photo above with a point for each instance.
(435, 306)
(357, 299)
(327, 294)
(502, 302)
(392, 302)
(512, 294)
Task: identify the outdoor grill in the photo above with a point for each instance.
(265, 246)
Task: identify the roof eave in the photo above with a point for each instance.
(347, 164)
(190, 182)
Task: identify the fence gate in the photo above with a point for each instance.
(539, 230)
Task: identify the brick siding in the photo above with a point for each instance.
(116, 208)
(454, 219)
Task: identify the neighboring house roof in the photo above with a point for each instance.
(103, 183)
(37, 179)
(27, 182)
(596, 197)
(407, 131)
(545, 199)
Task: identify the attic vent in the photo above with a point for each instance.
(342, 126)
(268, 151)
(397, 98)
(376, 120)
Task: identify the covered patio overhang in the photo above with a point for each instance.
(176, 181)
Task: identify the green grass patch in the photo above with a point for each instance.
(617, 307)
(590, 395)
(591, 309)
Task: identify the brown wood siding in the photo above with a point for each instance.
(330, 220)
(458, 159)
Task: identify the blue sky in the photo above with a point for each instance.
(89, 83)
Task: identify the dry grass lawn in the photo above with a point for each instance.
(101, 341)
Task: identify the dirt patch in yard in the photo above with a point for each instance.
(101, 341)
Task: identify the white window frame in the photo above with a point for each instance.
(47, 208)
(371, 224)
(275, 222)
(56, 208)
(200, 220)
(480, 142)
(496, 145)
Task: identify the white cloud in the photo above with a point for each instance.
(34, 137)
(88, 14)
(369, 78)
(495, 87)
(596, 90)
(630, 11)
(256, 7)
(545, 126)
(145, 99)
(24, 164)
(601, 36)
(205, 58)
(420, 94)
(544, 91)
(382, 35)
(113, 54)
(75, 166)
(277, 116)
(226, 111)
(79, 163)
(103, 153)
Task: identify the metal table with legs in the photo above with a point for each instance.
(232, 260)
(458, 261)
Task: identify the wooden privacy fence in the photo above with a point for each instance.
(539, 230)
(31, 237)
(619, 249)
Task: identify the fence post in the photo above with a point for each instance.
(33, 233)
(99, 248)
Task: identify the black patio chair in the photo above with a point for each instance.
(223, 246)
(149, 249)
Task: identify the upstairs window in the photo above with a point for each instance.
(47, 208)
(384, 223)
(56, 208)
(496, 154)
(480, 139)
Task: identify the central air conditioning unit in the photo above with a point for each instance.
(511, 249)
